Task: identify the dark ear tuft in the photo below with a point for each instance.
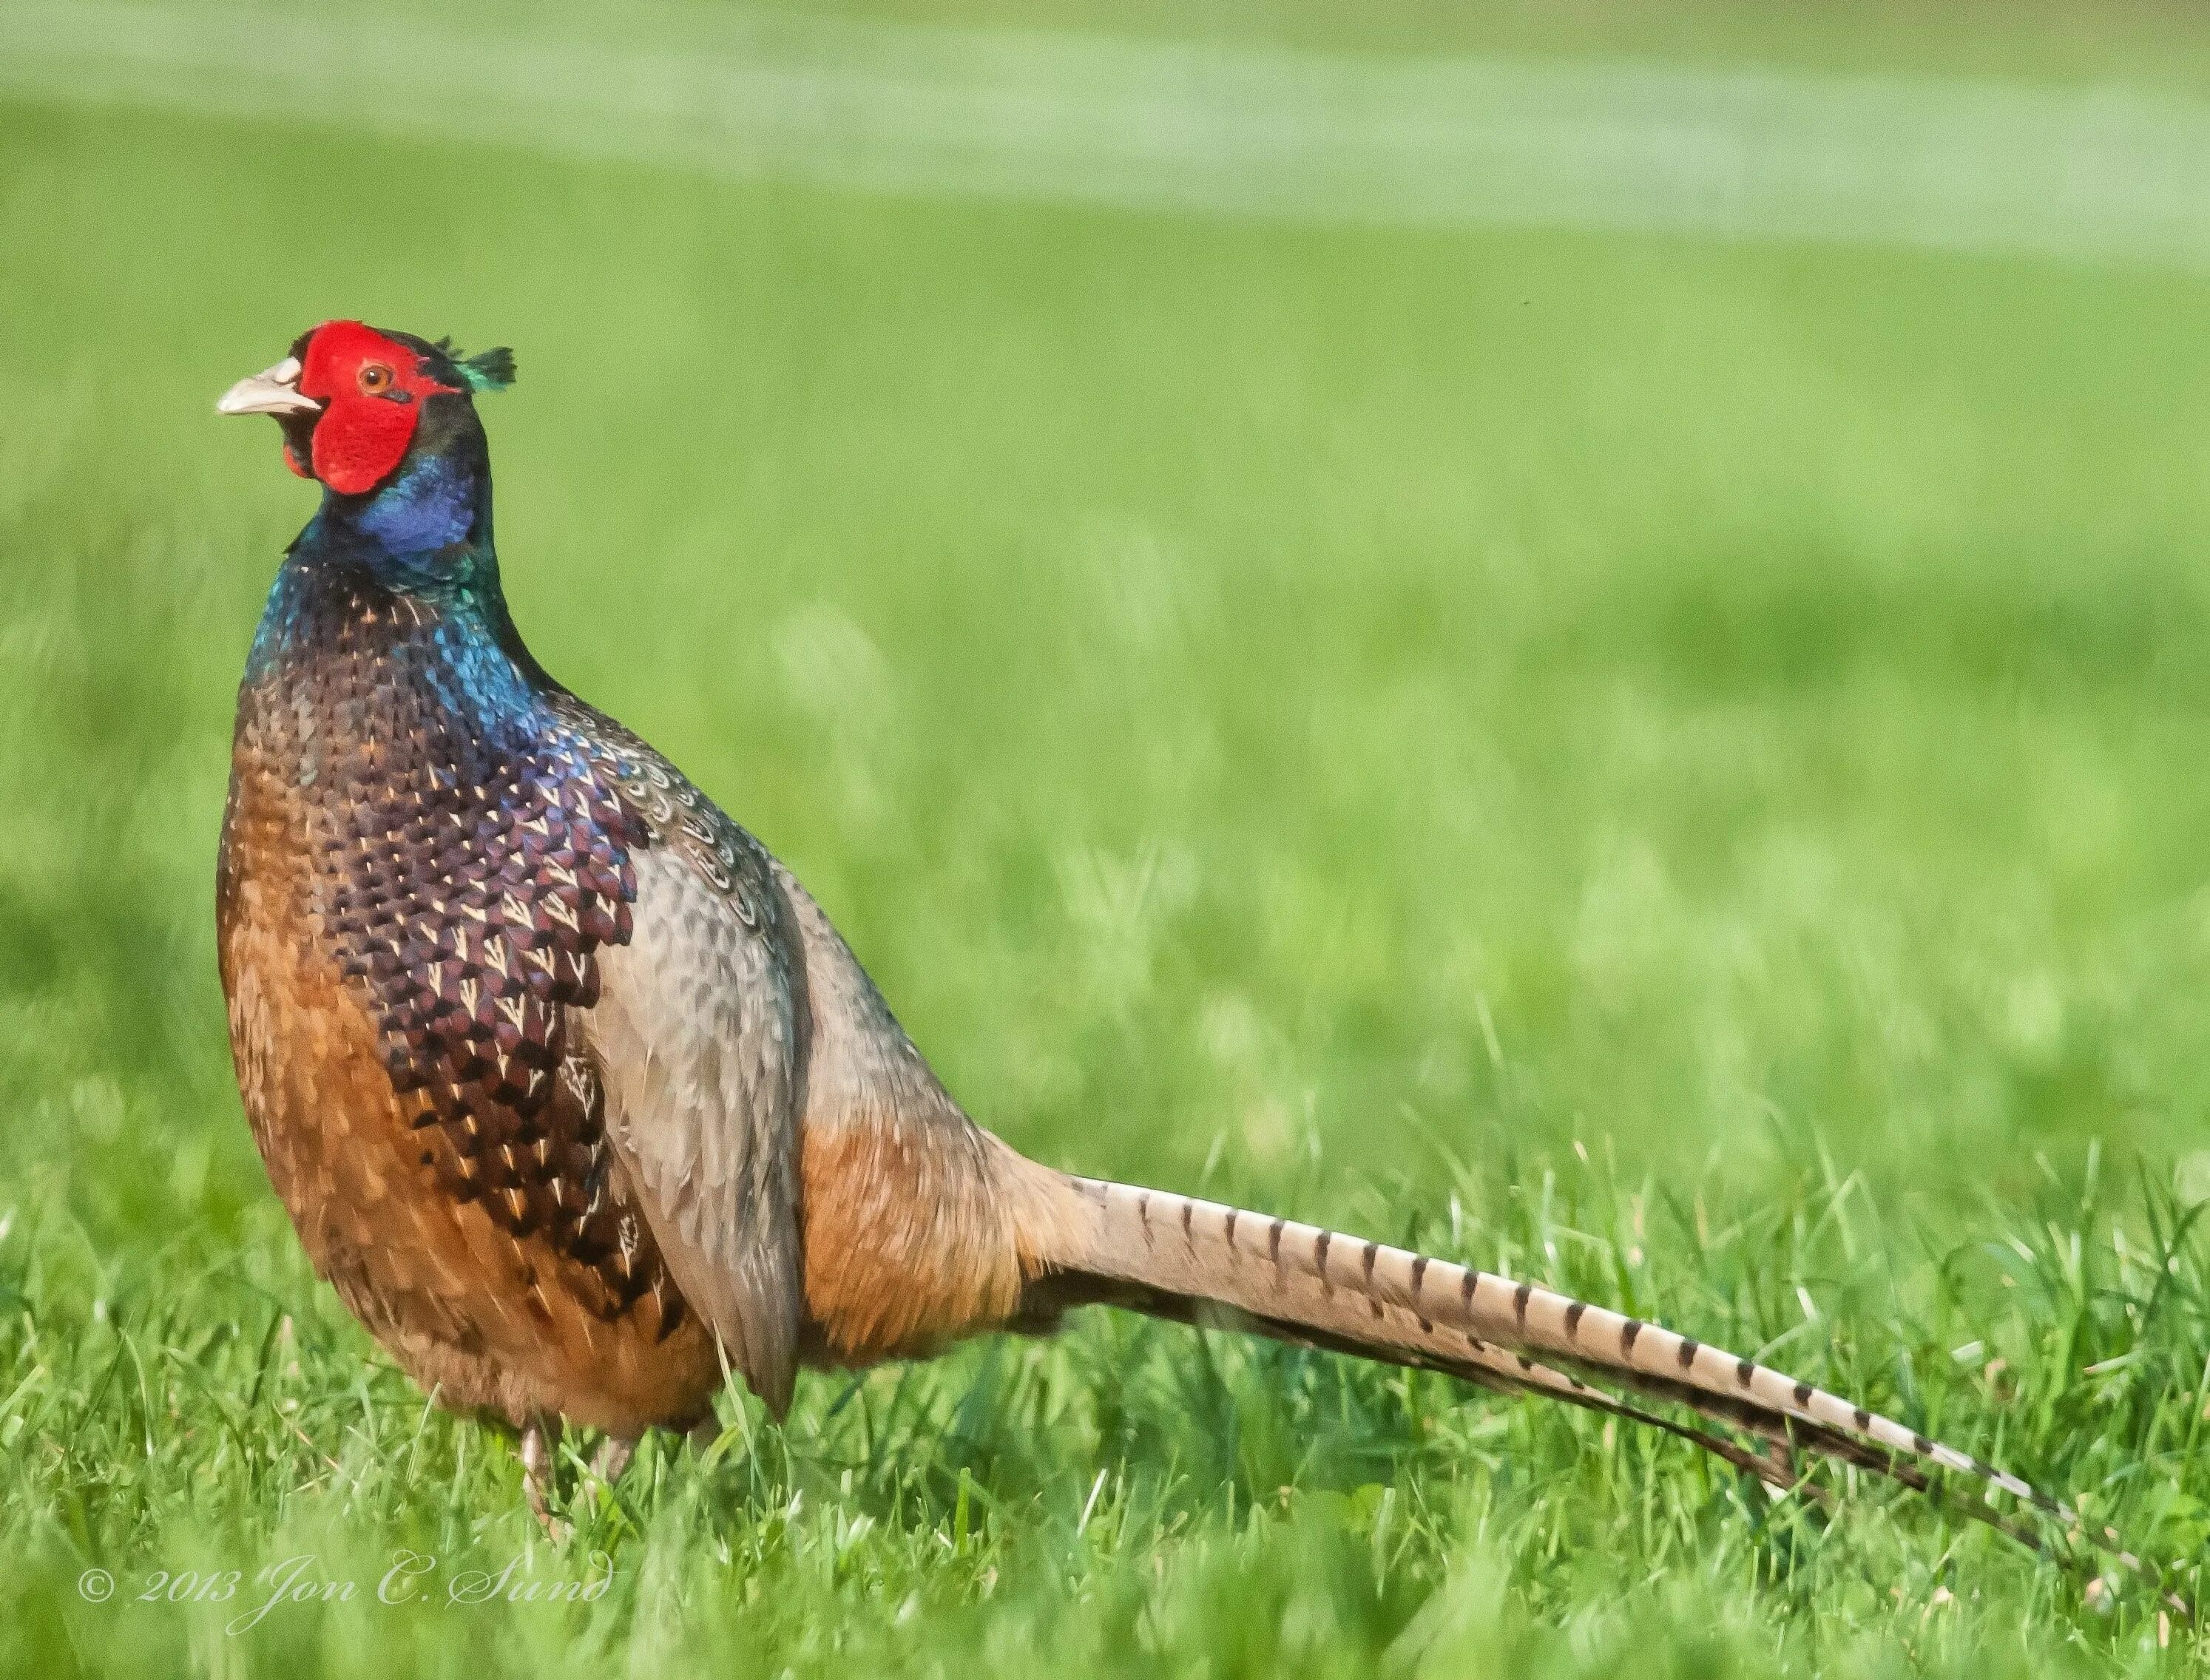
(492, 370)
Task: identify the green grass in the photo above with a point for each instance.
(1672, 768)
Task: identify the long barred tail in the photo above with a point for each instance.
(1177, 1256)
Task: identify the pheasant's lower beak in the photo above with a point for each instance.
(273, 391)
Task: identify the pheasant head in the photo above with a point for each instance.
(386, 423)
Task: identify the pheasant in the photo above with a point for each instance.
(578, 1099)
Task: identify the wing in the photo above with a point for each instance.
(698, 1034)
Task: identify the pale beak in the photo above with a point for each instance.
(275, 391)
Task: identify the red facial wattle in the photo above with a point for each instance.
(372, 390)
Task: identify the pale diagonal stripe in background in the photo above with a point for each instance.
(2099, 175)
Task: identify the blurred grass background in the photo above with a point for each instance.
(1667, 764)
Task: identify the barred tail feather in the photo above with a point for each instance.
(1178, 1256)
(1393, 1340)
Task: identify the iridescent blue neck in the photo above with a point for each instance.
(407, 571)
(425, 530)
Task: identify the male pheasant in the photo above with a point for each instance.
(574, 1094)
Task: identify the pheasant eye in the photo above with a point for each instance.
(375, 378)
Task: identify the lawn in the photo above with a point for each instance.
(1665, 766)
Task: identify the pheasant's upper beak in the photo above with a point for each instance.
(274, 391)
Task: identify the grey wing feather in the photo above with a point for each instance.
(860, 1062)
(698, 1034)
